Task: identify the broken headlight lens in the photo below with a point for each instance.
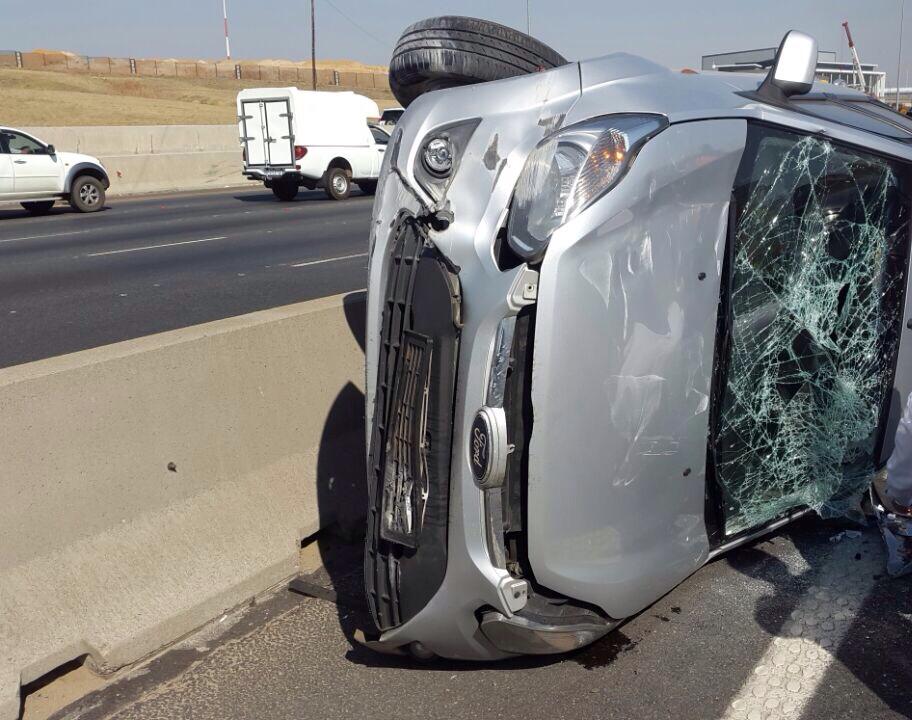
(570, 170)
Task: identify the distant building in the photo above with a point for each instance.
(829, 70)
(905, 95)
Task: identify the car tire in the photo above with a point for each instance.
(39, 207)
(449, 51)
(337, 183)
(368, 187)
(87, 194)
(285, 191)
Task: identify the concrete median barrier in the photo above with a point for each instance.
(157, 158)
(150, 485)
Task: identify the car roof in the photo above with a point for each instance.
(628, 83)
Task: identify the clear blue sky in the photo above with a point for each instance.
(673, 32)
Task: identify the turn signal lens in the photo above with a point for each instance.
(300, 151)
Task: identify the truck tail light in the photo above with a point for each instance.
(300, 151)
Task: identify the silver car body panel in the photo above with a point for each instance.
(621, 305)
(617, 517)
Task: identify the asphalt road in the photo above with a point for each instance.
(803, 625)
(70, 282)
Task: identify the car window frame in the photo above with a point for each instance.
(43, 147)
(852, 105)
(393, 120)
(374, 136)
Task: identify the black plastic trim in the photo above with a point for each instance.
(421, 296)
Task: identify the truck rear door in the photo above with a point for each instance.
(254, 132)
(280, 138)
(268, 137)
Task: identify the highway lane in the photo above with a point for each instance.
(70, 281)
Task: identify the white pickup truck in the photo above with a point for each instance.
(293, 138)
(36, 175)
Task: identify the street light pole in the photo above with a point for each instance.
(902, 11)
(528, 20)
(313, 45)
(225, 18)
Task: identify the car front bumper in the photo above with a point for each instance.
(450, 574)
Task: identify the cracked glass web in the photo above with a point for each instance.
(810, 336)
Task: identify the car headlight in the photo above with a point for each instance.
(439, 155)
(569, 171)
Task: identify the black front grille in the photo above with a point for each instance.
(405, 470)
(410, 448)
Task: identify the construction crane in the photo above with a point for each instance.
(856, 63)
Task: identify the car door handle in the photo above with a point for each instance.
(19, 162)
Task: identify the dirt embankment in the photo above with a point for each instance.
(34, 98)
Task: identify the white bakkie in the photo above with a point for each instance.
(37, 175)
(293, 138)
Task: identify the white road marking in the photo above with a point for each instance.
(39, 237)
(329, 260)
(793, 667)
(155, 247)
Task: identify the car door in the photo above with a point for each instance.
(813, 310)
(381, 140)
(35, 170)
(6, 169)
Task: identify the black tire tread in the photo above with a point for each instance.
(285, 192)
(450, 51)
(452, 26)
(330, 193)
(77, 204)
(37, 207)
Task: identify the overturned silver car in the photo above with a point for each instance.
(620, 320)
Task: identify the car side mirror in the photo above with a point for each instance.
(51, 150)
(793, 68)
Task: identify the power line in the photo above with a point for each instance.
(369, 34)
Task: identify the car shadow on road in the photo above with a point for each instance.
(303, 196)
(16, 213)
(841, 604)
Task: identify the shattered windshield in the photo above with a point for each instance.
(809, 326)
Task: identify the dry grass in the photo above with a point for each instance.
(36, 98)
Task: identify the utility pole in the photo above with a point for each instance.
(225, 18)
(313, 45)
(528, 20)
(902, 11)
